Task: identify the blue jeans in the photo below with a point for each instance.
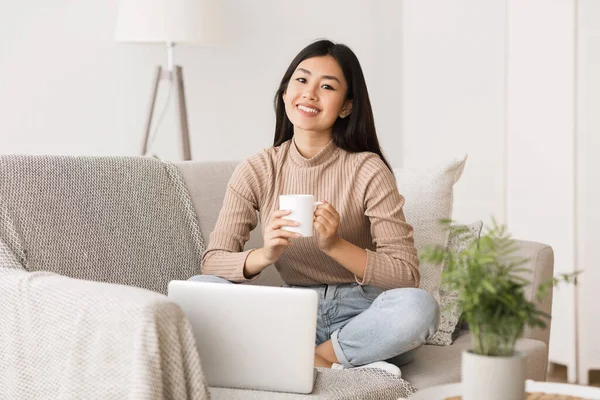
(366, 324)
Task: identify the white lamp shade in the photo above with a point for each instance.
(177, 21)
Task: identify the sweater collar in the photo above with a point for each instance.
(327, 153)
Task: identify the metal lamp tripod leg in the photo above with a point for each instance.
(174, 78)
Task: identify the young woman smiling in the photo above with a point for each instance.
(362, 260)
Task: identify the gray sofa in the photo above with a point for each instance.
(433, 365)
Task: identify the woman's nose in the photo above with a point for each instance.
(309, 93)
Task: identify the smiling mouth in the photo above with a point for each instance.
(308, 109)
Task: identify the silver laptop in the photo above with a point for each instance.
(252, 337)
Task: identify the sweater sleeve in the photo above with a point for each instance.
(394, 263)
(224, 256)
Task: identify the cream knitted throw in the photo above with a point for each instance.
(126, 220)
(354, 384)
(64, 338)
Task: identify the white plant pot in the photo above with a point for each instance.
(493, 378)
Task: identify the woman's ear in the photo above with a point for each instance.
(346, 109)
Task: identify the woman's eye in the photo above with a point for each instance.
(327, 87)
(301, 80)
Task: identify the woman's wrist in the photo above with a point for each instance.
(335, 246)
(349, 256)
(256, 262)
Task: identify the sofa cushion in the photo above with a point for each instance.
(207, 183)
(429, 198)
(437, 365)
(449, 310)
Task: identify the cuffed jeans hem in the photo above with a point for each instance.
(337, 349)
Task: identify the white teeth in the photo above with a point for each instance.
(308, 109)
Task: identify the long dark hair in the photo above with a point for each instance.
(355, 133)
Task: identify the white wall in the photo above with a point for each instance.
(516, 84)
(541, 145)
(67, 88)
(454, 83)
(588, 182)
(553, 169)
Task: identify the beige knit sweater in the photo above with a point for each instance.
(358, 185)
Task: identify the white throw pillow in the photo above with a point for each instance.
(429, 198)
(449, 310)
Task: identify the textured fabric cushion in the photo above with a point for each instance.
(364, 384)
(207, 183)
(450, 311)
(429, 198)
(126, 220)
(437, 365)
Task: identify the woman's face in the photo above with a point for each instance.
(314, 97)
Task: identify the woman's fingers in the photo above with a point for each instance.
(327, 210)
(280, 233)
(280, 213)
(280, 222)
(280, 241)
(319, 226)
(327, 215)
(324, 222)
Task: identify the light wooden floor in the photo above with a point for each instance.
(558, 373)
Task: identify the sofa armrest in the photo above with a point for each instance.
(71, 338)
(540, 268)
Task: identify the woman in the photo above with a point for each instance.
(362, 260)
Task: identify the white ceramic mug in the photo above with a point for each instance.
(302, 207)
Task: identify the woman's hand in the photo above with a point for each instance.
(276, 240)
(326, 224)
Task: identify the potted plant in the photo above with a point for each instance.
(488, 279)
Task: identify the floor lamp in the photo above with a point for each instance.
(168, 22)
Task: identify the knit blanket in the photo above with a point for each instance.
(64, 338)
(351, 384)
(126, 220)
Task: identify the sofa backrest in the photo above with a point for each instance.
(207, 183)
(123, 220)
